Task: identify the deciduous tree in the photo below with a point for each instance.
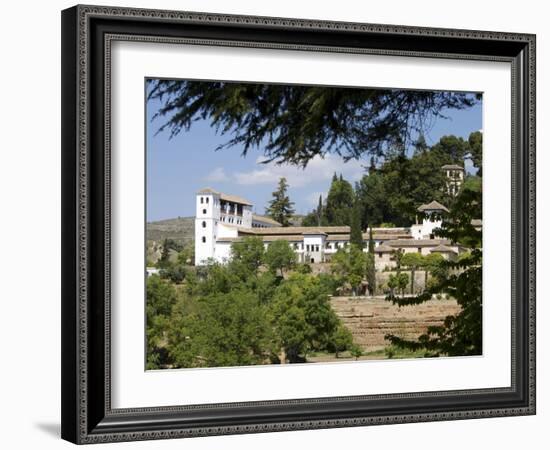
(280, 256)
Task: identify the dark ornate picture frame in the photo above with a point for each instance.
(87, 34)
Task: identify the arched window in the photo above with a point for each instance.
(204, 239)
(202, 199)
(204, 211)
(207, 199)
(203, 224)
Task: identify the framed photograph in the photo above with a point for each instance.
(279, 224)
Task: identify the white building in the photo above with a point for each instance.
(455, 177)
(223, 219)
(219, 216)
(432, 214)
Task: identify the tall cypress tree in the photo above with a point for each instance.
(281, 208)
(320, 211)
(356, 234)
(339, 203)
(371, 269)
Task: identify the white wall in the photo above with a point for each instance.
(29, 182)
(206, 216)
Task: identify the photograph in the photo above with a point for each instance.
(275, 220)
(296, 224)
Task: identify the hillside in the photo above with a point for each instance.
(180, 229)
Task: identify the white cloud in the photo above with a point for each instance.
(218, 175)
(318, 169)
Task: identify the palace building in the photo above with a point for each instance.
(222, 219)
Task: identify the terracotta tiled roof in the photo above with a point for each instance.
(396, 243)
(226, 197)
(432, 206)
(295, 230)
(442, 249)
(289, 237)
(337, 237)
(387, 236)
(452, 167)
(383, 248)
(265, 219)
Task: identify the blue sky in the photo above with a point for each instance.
(178, 167)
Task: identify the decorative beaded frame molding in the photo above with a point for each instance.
(87, 35)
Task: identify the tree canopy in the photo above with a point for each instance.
(391, 191)
(293, 123)
(460, 334)
(280, 207)
(350, 265)
(280, 256)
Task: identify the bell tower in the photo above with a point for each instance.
(455, 177)
(207, 216)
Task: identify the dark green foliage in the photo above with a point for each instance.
(174, 272)
(187, 255)
(412, 261)
(341, 340)
(420, 145)
(227, 329)
(302, 317)
(371, 267)
(304, 268)
(452, 149)
(356, 231)
(329, 283)
(316, 218)
(476, 150)
(295, 123)
(371, 190)
(356, 351)
(240, 314)
(350, 265)
(169, 246)
(461, 334)
(398, 282)
(161, 297)
(393, 192)
(280, 256)
(280, 207)
(248, 254)
(340, 202)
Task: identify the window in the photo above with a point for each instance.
(419, 250)
(316, 248)
(207, 199)
(202, 199)
(204, 211)
(204, 239)
(380, 255)
(203, 224)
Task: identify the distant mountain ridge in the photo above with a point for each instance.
(182, 229)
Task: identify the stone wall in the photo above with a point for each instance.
(371, 318)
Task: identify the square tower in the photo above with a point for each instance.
(207, 216)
